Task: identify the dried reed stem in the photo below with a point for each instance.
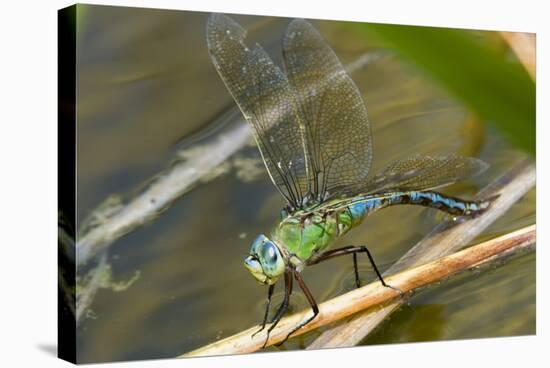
(376, 294)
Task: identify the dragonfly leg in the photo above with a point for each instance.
(354, 250)
(339, 252)
(355, 268)
(269, 295)
(282, 308)
(366, 250)
(311, 301)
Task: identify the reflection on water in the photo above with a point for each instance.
(145, 83)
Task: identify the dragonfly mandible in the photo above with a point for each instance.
(311, 127)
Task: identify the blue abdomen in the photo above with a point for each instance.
(362, 206)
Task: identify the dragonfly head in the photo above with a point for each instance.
(265, 260)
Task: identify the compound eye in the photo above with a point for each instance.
(257, 245)
(269, 252)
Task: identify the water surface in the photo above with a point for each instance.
(146, 89)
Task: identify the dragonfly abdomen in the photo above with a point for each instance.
(452, 205)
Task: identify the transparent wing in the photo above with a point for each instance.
(267, 102)
(424, 173)
(416, 173)
(338, 135)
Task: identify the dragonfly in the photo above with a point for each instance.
(311, 127)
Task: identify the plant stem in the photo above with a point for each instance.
(375, 294)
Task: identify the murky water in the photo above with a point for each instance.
(146, 89)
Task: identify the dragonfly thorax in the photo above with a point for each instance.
(305, 233)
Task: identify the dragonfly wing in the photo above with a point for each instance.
(338, 135)
(267, 102)
(416, 173)
(424, 173)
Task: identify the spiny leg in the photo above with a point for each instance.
(282, 308)
(354, 250)
(269, 295)
(288, 291)
(366, 250)
(356, 269)
(311, 301)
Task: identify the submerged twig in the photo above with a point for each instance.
(167, 187)
(444, 239)
(87, 293)
(376, 294)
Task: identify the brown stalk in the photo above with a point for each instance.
(376, 294)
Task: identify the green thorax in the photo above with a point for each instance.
(305, 233)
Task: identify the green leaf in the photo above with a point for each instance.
(498, 90)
